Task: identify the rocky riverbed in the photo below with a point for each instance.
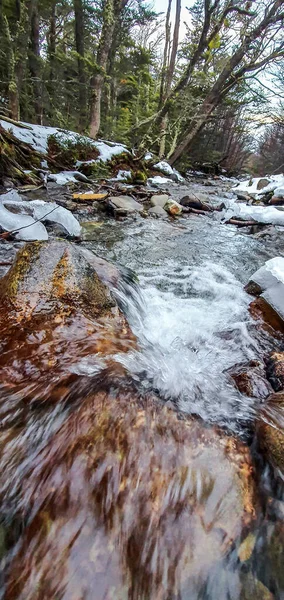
(142, 427)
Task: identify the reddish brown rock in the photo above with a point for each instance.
(263, 312)
(275, 370)
(123, 501)
(271, 430)
(250, 379)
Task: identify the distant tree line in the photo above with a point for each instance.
(116, 69)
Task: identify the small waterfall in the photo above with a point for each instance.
(192, 324)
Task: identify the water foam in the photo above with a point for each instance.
(192, 325)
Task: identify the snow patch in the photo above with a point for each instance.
(37, 136)
(164, 167)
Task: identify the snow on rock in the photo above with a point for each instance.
(122, 176)
(15, 222)
(156, 181)
(252, 186)
(64, 177)
(38, 210)
(269, 215)
(165, 168)
(148, 156)
(270, 279)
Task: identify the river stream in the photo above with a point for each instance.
(189, 311)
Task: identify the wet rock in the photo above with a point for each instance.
(250, 379)
(276, 201)
(275, 370)
(262, 183)
(124, 500)
(196, 202)
(159, 200)
(254, 589)
(173, 208)
(124, 204)
(263, 312)
(271, 430)
(242, 196)
(55, 306)
(158, 211)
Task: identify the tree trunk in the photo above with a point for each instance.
(102, 58)
(80, 48)
(52, 58)
(35, 63)
(169, 76)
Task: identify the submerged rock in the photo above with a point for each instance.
(250, 380)
(125, 499)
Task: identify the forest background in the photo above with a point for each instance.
(194, 85)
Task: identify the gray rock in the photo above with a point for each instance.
(159, 200)
(263, 183)
(125, 203)
(158, 211)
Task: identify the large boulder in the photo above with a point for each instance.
(127, 500)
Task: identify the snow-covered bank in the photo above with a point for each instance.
(259, 186)
(37, 137)
(269, 215)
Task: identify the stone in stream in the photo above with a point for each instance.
(56, 306)
(108, 493)
(158, 211)
(275, 370)
(159, 200)
(173, 208)
(196, 202)
(250, 379)
(263, 183)
(268, 282)
(125, 204)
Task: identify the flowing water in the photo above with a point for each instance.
(189, 312)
